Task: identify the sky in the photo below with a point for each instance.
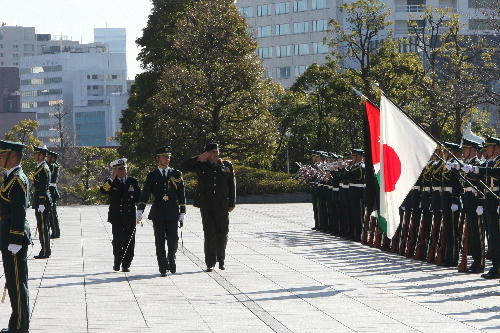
(78, 18)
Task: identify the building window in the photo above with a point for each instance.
(265, 52)
(319, 4)
(482, 24)
(282, 8)
(268, 73)
(282, 29)
(299, 70)
(299, 5)
(319, 25)
(264, 10)
(114, 77)
(301, 49)
(264, 31)
(283, 51)
(319, 48)
(300, 27)
(246, 11)
(283, 72)
(94, 76)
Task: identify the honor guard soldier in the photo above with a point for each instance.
(473, 208)
(42, 200)
(356, 177)
(436, 189)
(15, 234)
(54, 167)
(216, 197)
(168, 210)
(313, 186)
(124, 193)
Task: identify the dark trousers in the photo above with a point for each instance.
(314, 199)
(493, 229)
(43, 226)
(357, 208)
(16, 280)
(123, 242)
(54, 221)
(165, 230)
(476, 237)
(215, 230)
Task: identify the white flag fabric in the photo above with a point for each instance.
(405, 150)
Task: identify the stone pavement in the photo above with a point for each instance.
(280, 277)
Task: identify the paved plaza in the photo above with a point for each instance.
(280, 276)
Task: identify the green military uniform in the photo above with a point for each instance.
(14, 230)
(55, 196)
(215, 194)
(169, 201)
(41, 197)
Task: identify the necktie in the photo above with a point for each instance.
(164, 173)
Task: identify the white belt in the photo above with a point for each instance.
(329, 186)
(427, 189)
(496, 188)
(470, 189)
(437, 188)
(448, 189)
(416, 187)
(344, 186)
(335, 189)
(53, 184)
(357, 185)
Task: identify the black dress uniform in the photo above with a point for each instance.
(123, 195)
(424, 229)
(435, 206)
(356, 176)
(215, 194)
(55, 196)
(14, 229)
(167, 188)
(41, 196)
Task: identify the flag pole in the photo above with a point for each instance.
(377, 88)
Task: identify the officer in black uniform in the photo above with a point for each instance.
(216, 197)
(42, 200)
(15, 234)
(54, 167)
(435, 206)
(168, 210)
(356, 177)
(425, 224)
(124, 193)
(313, 187)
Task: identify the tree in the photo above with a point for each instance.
(213, 92)
(24, 132)
(65, 137)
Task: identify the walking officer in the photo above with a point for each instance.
(42, 200)
(216, 197)
(15, 234)
(124, 193)
(54, 167)
(168, 209)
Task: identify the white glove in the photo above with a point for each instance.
(14, 248)
(182, 217)
(41, 208)
(498, 210)
(138, 214)
(454, 207)
(467, 168)
(479, 210)
(448, 165)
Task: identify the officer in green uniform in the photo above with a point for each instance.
(15, 234)
(54, 167)
(124, 193)
(216, 197)
(168, 210)
(42, 200)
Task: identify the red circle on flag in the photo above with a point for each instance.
(392, 168)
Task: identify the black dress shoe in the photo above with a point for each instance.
(474, 270)
(38, 257)
(125, 269)
(491, 275)
(221, 266)
(171, 264)
(54, 236)
(116, 268)
(209, 269)
(163, 274)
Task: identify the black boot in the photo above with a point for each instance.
(171, 263)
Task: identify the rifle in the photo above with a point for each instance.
(366, 226)
(386, 243)
(441, 251)
(462, 266)
(395, 240)
(431, 253)
(404, 231)
(371, 232)
(420, 249)
(411, 240)
(377, 241)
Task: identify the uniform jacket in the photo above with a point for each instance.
(54, 179)
(451, 179)
(41, 180)
(14, 200)
(169, 197)
(123, 198)
(216, 183)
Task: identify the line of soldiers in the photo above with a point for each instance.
(447, 215)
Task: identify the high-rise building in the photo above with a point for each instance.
(83, 80)
(290, 34)
(114, 38)
(9, 90)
